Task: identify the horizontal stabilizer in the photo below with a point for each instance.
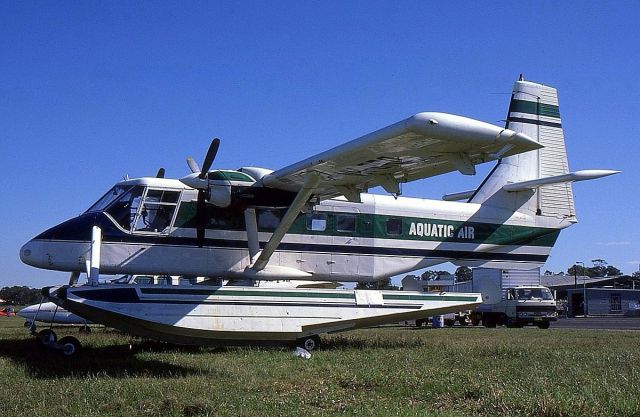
(462, 195)
(589, 174)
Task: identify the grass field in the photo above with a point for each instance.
(386, 371)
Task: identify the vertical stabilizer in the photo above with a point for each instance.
(533, 111)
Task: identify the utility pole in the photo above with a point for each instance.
(584, 291)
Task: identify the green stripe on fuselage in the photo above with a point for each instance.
(436, 230)
(376, 226)
(240, 293)
(532, 107)
(434, 297)
(289, 294)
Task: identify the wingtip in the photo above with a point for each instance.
(589, 174)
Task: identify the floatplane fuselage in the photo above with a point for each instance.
(149, 227)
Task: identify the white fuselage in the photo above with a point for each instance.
(338, 240)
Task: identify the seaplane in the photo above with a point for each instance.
(314, 220)
(51, 313)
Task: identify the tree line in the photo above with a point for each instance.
(599, 269)
(20, 295)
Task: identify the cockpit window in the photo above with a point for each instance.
(124, 209)
(153, 214)
(157, 211)
(162, 196)
(111, 196)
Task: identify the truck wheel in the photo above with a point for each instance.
(514, 324)
(419, 322)
(489, 323)
(544, 325)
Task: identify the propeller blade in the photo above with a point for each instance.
(160, 173)
(193, 165)
(211, 155)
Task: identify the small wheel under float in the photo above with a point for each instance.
(31, 326)
(309, 343)
(47, 337)
(69, 346)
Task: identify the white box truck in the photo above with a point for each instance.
(513, 298)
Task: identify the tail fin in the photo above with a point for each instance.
(533, 111)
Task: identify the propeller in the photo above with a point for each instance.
(208, 159)
(198, 180)
(198, 177)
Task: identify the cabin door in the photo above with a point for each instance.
(344, 255)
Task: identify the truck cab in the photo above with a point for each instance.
(530, 305)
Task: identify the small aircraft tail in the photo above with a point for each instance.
(533, 188)
(534, 111)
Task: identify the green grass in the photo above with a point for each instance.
(387, 371)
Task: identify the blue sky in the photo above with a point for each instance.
(91, 91)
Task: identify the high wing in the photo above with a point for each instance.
(424, 145)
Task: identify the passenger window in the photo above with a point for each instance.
(164, 280)
(224, 218)
(268, 219)
(187, 281)
(394, 227)
(317, 222)
(345, 222)
(143, 279)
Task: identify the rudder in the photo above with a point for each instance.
(534, 111)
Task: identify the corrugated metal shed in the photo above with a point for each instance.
(604, 302)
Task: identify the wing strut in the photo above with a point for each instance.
(310, 184)
(252, 233)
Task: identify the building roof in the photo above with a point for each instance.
(556, 282)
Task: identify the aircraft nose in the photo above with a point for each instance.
(27, 312)
(31, 253)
